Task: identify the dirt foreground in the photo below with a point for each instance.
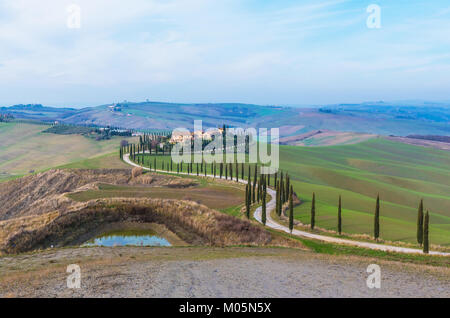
(212, 272)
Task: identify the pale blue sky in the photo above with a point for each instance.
(253, 51)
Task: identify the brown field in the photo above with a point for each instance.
(213, 196)
(67, 207)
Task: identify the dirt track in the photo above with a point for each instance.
(208, 272)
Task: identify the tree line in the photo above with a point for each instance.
(256, 190)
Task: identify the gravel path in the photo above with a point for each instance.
(274, 225)
(280, 273)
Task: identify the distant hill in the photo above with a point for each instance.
(373, 118)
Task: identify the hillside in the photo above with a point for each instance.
(402, 174)
(372, 118)
(25, 148)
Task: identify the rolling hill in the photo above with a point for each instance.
(372, 118)
(25, 148)
(402, 174)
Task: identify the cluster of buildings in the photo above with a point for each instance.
(200, 134)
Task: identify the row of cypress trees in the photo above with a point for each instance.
(422, 221)
(256, 191)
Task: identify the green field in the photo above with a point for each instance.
(25, 148)
(402, 175)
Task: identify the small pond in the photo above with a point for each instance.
(128, 238)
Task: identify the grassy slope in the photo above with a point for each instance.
(402, 174)
(24, 147)
(212, 194)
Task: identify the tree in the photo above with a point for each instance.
(263, 214)
(420, 223)
(248, 202)
(258, 193)
(291, 210)
(246, 195)
(313, 211)
(426, 242)
(376, 230)
(340, 216)
(255, 180)
(277, 199)
(287, 188)
(281, 188)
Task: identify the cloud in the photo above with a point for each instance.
(204, 50)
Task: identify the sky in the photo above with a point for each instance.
(252, 51)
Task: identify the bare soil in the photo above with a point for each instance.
(212, 272)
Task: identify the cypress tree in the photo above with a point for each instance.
(221, 170)
(277, 199)
(242, 171)
(313, 211)
(258, 193)
(154, 166)
(291, 210)
(246, 195)
(426, 242)
(263, 214)
(248, 202)
(420, 223)
(281, 191)
(197, 169)
(255, 180)
(276, 178)
(281, 188)
(237, 172)
(340, 216)
(287, 188)
(376, 230)
(226, 172)
(280, 204)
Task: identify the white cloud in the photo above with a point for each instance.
(210, 50)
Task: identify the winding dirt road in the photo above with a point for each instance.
(329, 239)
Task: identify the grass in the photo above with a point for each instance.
(107, 161)
(337, 249)
(402, 174)
(213, 195)
(25, 148)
